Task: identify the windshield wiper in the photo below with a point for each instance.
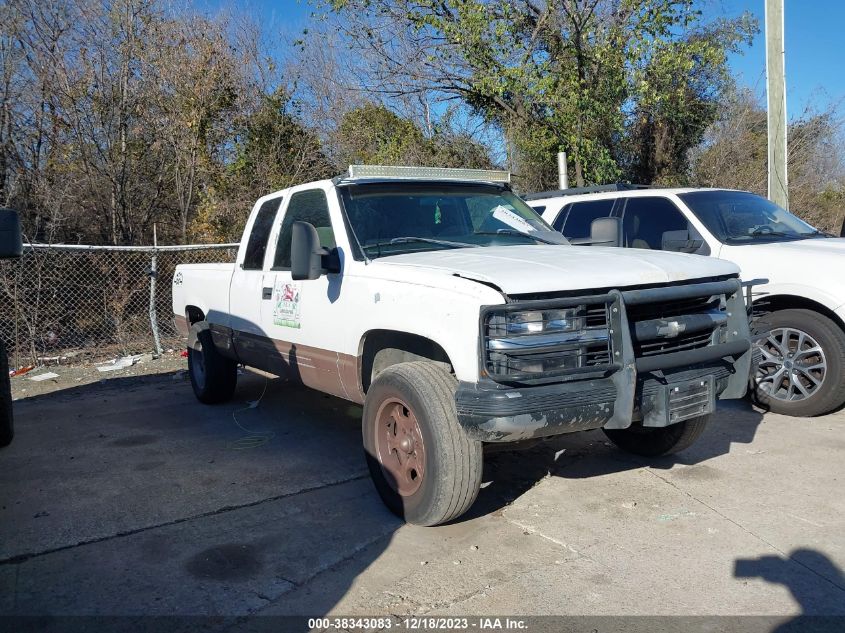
(426, 240)
(767, 233)
(815, 234)
(520, 234)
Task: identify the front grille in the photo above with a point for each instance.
(669, 309)
(596, 315)
(677, 325)
(696, 340)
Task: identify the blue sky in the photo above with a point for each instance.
(815, 50)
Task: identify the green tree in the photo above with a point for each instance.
(734, 155)
(575, 75)
(272, 151)
(374, 134)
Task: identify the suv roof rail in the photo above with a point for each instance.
(572, 191)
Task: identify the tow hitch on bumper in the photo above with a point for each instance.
(678, 381)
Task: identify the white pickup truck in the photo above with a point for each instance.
(801, 308)
(440, 301)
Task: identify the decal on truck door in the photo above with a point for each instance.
(286, 296)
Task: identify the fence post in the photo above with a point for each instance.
(153, 274)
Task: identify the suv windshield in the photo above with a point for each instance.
(394, 218)
(739, 217)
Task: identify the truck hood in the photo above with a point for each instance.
(532, 269)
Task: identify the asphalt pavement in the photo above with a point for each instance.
(129, 498)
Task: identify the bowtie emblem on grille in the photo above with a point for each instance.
(670, 329)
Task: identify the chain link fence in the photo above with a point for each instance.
(76, 303)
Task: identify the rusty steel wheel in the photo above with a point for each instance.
(423, 465)
(400, 446)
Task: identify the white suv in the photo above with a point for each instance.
(801, 308)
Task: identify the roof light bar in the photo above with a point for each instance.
(428, 173)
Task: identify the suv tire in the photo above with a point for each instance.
(787, 353)
(213, 376)
(423, 465)
(657, 441)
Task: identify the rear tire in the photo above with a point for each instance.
(7, 422)
(791, 379)
(423, 465)
(657, 441)
(213, 376)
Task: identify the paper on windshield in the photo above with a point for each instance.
(512, 219)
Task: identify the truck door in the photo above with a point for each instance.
(302, 318)
(247, 287)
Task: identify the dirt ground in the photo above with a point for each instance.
(79, 374)
(126, 497)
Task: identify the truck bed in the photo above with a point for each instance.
(205, 286)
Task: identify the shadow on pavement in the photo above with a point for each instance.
(815, 582)
(509, 474)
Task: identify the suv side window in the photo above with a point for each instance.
(256, 246)
(581, 216)
(646, 219)
(305, 206)
(560, 218)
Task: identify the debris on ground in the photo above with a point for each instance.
(59, 360)
(184, 353)
(21, 371)
(86, 371)
(45, 376)
(119, 363)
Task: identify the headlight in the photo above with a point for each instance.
(544, 342)
(536, 321)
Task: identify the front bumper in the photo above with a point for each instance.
(492, 414)
(656, 390)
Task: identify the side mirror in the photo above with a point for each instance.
(603, 232)
(606, 231)
(11, 244)
(680, 242)
(309, 260)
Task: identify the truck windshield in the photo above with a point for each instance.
(394, 218)
(739, 217)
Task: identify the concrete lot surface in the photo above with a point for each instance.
(129, 497)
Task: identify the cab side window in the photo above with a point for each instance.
(305, 206)
(581, 215)
(647, 219)
(256, 246)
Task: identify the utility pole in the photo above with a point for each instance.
(776, 103)
(562, 175)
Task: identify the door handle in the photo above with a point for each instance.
(266, 293)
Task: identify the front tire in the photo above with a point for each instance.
(424, 467)
(657, 441)
(802, 371)
(7, 422)
(213, 376)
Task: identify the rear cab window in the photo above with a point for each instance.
(259, 235)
